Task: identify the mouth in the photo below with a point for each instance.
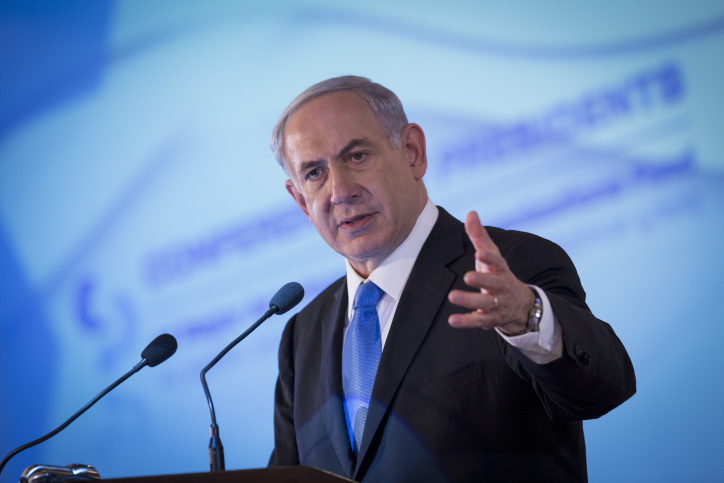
(353, 221)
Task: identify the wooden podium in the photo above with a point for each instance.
(281, 474)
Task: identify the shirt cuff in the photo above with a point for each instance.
(543, 346)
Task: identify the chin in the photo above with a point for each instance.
(364, 251)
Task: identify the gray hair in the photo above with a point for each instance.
(385, 105)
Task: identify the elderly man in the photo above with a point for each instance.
(388, 374)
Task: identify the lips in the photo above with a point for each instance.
(355, 221)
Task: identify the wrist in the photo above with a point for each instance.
(532, 320)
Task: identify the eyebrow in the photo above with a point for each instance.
(351, 145)
(306, 165)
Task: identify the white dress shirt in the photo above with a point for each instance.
(391, 276)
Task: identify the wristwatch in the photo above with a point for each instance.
(535, 313)
(534, 316)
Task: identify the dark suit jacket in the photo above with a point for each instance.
(452, 404)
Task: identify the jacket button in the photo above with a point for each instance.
(582, 355)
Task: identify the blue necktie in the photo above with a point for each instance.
(360, 357)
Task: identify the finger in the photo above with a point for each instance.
(477, 233)
(493, 261)
(488, 281)
(472, 320)
(473, 300)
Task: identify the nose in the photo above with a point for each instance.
(345, 189)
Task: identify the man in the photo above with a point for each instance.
(388, 374)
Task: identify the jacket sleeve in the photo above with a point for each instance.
(285, 442)
(594, 374)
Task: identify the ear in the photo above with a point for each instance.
(413, 141)
(298, 197)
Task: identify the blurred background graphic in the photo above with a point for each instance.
(138, 196)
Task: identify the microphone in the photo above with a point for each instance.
(160, 349)
(284, 300)
(287, 298)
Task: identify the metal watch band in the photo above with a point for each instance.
(535, 314)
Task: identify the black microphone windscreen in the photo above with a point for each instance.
(160, 349)
(287, 297)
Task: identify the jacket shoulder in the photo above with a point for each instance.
(507, 240)
(321, 303)
(309, 318)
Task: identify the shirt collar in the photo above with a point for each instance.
(391, 275)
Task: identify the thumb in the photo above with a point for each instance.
(480, 238)
(481, 241)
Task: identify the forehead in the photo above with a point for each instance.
(324, 125)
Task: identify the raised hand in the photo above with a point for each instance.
(501, 300)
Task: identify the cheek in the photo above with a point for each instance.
(320, 217)
(393, 196)
(318, 209)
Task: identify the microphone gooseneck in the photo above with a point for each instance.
(284, 300)
(160, 349)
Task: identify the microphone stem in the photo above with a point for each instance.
(216, 449)
(60, 428)
(216, 359)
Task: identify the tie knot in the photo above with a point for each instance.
(368, 294)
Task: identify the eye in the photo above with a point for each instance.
(314, 174)
(358, 156)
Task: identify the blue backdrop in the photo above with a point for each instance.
(138, 196)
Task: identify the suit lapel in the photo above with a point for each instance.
(331, 379)
(424, 294)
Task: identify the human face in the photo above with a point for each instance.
(362, 195)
